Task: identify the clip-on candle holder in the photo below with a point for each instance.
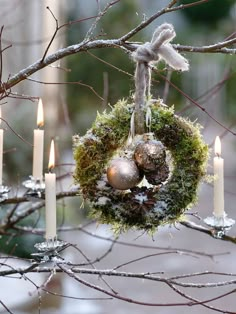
(219, 224)
(4, 190)
(35, 186)
(49, 250)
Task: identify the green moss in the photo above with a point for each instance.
(93, 151)
(109, 132)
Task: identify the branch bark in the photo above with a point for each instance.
(121, 43)
(210, 232)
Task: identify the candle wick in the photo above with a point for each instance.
(218, 155)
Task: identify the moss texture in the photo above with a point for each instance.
(163, 204)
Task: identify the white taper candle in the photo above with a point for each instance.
(38, 145)
(218, 180)
(50, 198)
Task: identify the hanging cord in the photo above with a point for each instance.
(159, 48)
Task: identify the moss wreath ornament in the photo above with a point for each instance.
(142, 138)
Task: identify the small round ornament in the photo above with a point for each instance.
(123, 174)
(150, 155)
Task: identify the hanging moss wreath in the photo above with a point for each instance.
(142, 207)
(112, 184)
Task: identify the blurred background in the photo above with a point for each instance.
(74, 89)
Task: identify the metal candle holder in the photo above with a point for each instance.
(49, 250)
(219, 224)
(4, 190)
(35, 186)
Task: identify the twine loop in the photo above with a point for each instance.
(159, 48)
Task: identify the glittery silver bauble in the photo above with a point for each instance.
(123, 174)
(150, 155)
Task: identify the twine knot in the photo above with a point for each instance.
(145, 53)
(160, 48)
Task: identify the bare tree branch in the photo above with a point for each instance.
(194, 226)
(114, 43)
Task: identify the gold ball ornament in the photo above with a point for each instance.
(150, 155)
(123, 174)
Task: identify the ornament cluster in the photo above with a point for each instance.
(146, 157)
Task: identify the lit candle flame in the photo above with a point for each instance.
(40, 120)
(51, 163)
(217, 146)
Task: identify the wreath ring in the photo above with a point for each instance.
(140, 207)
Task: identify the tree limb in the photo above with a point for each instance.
(210, 232)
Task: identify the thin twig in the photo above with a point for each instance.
(210, 232)
(167, 86)
(167, 9)
(203, 303)
(53, 36)
(17, 134)
(6, 308)
(67, 83)
(98, 18)
(195, 103)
